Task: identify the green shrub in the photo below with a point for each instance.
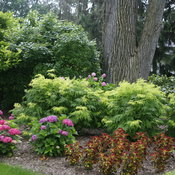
(45, 43)
(166, 84)
(51, 134)
(171, 115)
(62, 96)
(135, 107)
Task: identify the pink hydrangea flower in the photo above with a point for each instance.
(93, 74)
(14, 131)
(95, 79)
(43, 127)
(68, 122)
(11, 118)
(43, 120)
(7, 139)
(34, 137)
(52, 118)
(2, 122)
(1, 112)
(103, 84)
(60, 131)
(64, 133)
(1, 137)
(104, 75)
(5, 127)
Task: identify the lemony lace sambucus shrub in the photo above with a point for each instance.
(62, 96)
(136, 107)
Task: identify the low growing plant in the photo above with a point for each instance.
(117, 154)
(163, 147)
(51, 135)
(9, 136)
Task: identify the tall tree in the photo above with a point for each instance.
(124, 57)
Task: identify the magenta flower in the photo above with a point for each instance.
(2, 122)
(11, 118)
(64, 133)
(5, 127)
(43, 127)
(95, 79)
(43, 120)
(14, 131)
(67, 122)
(7, 140)
(1, 137)
(60, 131)
(104, 75)
(89, 76)
(62, 78)
(93, 74)
(34, 137)
(103, 84)
(1, 112)
(52, 118)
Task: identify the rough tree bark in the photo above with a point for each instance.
(124, 60)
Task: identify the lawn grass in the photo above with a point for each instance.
(13, 170)
(170, 173)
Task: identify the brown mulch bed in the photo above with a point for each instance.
(25, 157)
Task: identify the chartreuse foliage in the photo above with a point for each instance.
(171, 115)
(135, 107)
(59, 96)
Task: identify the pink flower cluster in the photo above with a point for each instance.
(51, 118)
(6, 130)
(14, 131)
(5, 139)
(64, 133)
(67, 122)
(93, 75)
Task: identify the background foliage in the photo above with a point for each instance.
(46, 43)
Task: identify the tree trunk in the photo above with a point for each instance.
(123, 59)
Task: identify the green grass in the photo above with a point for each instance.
(13, 170)
(170, 173)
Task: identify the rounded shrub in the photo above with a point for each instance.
(135, 107)
(51, 134)
(9, 136)
(62, 96)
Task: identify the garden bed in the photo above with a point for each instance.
(25, 157)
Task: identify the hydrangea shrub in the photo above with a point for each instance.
(8, 138)
(51, 135)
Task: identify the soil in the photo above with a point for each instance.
(25, 157)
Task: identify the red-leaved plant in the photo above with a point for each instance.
(163, 146)
(116, 153)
